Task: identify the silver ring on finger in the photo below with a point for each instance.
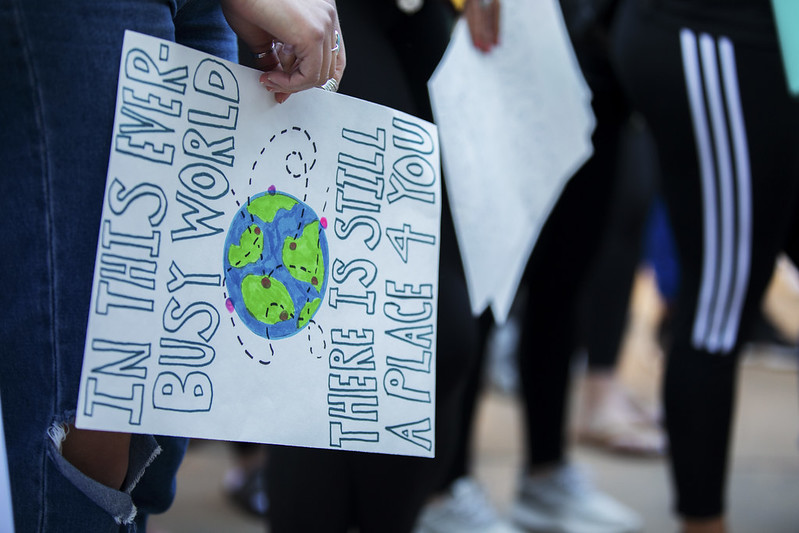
(331, 85)
(261, 55)
(338, 41)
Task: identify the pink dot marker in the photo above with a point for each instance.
(229, 305)
(271, 189)
(323, 222)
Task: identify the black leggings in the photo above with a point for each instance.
(578, 284)
(727, 146)
(390, 56)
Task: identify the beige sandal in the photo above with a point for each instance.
(614, 422)
(643, 439)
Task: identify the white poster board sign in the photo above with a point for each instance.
(265, 272)
(515, 125)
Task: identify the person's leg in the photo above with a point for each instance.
(155, 491)
(60, 65)
(744, 176)
(559, 266)
(461, 465)
(556, 275)
(680, 397)
(553, 492)
(610, 416)
(244, 480)
(309, 490)
(700, 383)
(609, 284)
(625, 166)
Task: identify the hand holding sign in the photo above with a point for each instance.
(309, 28)
(483, 19)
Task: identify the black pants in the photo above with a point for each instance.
(581, 269)
(390, 57)
(710, 83)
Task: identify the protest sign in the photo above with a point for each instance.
(265, 272)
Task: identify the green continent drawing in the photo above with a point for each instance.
(266, 207)
(301, 256)
(308, 311)
(267, 299)
(249, 249)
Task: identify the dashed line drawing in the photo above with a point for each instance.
(282, 302)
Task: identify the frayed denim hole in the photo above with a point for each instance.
(59, 429)
(58, 434)
(118, 504)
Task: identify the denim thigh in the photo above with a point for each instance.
(58, 74)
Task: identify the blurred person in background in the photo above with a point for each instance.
(554, 494)
(707, 75)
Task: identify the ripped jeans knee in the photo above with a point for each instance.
(81, 459)
(101, 455)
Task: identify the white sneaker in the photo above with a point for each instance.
(564, 501)
(464, 509)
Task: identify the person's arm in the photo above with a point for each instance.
(307, 29)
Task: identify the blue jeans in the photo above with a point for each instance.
(58, 75)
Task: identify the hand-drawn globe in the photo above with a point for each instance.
(275, 261)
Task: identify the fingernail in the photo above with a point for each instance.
(266, 82)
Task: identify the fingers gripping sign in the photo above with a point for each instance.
(298, 43)
(483, 19)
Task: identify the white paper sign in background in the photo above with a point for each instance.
(264, 272)
(515, 125)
